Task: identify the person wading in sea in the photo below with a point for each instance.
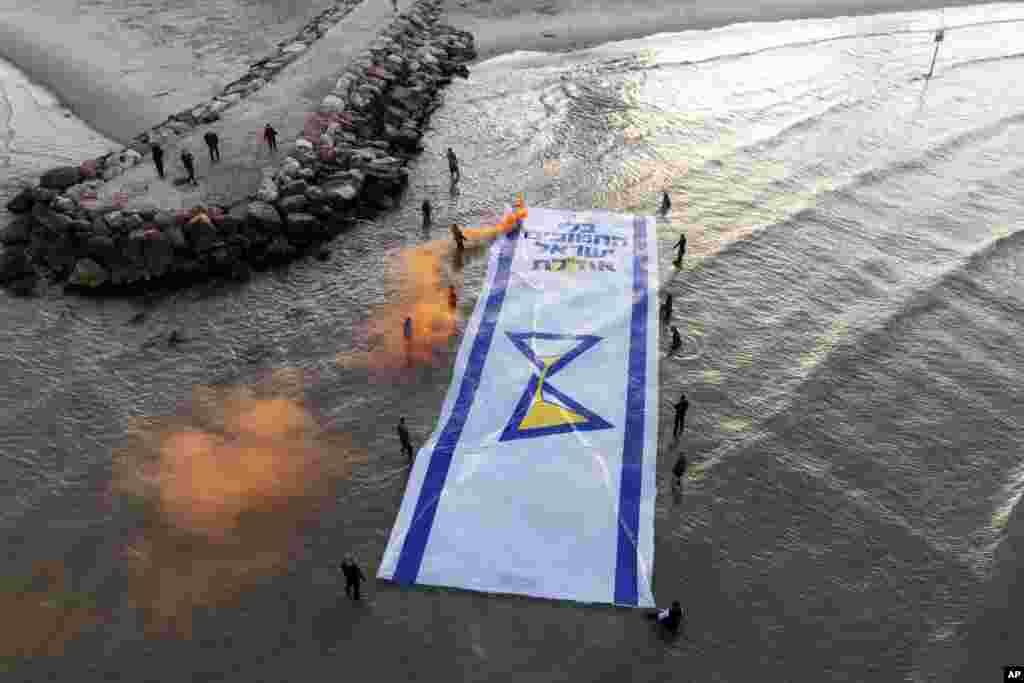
(681, 246)
(666, 310)
(677, 339)
(353, 577)
(453, 166)
(427, 210)
(403, 437)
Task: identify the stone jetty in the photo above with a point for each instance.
(349, 159)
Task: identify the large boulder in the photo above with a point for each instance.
(22, 202)
(293, 204)
(280, 250)
(302, 227)
(61, 178)
(158, 253)
(200, 233)
(101, 248)
(13, 263)
(294, 187)
(262, 220)
(88, 273)
(17, 232)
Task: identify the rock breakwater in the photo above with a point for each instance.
(350, 159)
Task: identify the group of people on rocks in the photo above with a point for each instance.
(212, 141)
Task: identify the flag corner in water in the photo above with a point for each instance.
(539, 479)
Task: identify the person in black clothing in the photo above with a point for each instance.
(670, 619)
(403, 436)
(677, 340)
(158, 159)
(453, 166)
(681, 246)
(353, 577)
(270, 135)
(212, 142)
(460, 239)
(681, 407)
(188, 161)
(666, 310)
(678, 470)
(426, 209)
(666, 204)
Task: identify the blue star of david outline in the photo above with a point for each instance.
(594, 421)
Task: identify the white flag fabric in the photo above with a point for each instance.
(540, 477)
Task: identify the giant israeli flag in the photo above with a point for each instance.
(540, 477)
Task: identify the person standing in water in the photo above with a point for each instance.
(353, 577)
(427, 210)
(158, 159)
(460, 239)
(403, 437)
(678, 470)
(681, 246)
(666, 310)
(453, 166)
(681, 408)
(666, 204)
(677, 340)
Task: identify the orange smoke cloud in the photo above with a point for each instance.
(42, 616)
(223, 489)
(422, 283)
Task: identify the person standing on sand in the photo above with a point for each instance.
(353, 577)
(453, 299)
(403, 437)
(188, 161)
(270, 135)
(212, 142)
(394, 3)
(158, 159)
(453, 166)
(677, 339)
(666, 204)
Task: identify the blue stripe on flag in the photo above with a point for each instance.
(633, 444)
(415, 543)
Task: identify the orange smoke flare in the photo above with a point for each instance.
(223, 490)
(422, 295)
(41, 613)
